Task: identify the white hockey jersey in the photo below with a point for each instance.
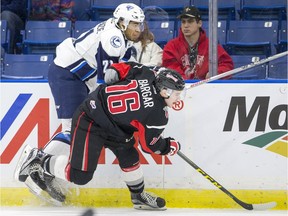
(93, 51)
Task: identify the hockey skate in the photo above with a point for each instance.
(40, 182)
(147, 201)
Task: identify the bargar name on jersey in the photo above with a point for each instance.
(146, 92)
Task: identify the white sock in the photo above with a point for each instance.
(57, 166)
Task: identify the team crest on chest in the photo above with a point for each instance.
(115, 41)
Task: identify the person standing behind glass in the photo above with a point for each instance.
(14, 12)
(146, 51)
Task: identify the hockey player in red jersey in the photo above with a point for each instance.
(134, 99)
(79, 61)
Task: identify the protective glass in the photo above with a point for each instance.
(136, 26)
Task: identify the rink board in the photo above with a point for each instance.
(236, 132)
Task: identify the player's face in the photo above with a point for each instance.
(174, 97)
(133, 30)
(189, 26)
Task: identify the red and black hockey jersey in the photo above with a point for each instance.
(130, 105)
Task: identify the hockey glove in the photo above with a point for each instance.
(111, 76)
(174, 147)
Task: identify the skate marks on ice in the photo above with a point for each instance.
(75, 211)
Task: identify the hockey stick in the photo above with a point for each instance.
(247, 206)
(88, 212)
(237, 70)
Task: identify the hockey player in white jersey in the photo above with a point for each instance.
(81, 61)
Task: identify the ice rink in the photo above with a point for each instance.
(74, 211)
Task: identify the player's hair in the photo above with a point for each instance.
(146, 37)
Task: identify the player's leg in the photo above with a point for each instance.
(68, 92)
(35, 168)
(134, 179)
(43, 168)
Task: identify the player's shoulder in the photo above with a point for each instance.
(111, 30)
(113, 37)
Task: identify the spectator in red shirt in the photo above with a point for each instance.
(188, 53)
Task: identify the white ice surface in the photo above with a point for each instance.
(73, 211)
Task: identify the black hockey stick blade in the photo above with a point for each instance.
(88, 212)
(248, 206)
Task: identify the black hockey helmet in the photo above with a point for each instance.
(169, 79)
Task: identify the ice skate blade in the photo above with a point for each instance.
(38, 192)
(23, 157)
(146, 207)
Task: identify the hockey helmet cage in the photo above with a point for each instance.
(169, 79)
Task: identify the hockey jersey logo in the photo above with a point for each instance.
(115, 41)
(93, 104)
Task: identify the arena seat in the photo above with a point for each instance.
(243, 37)
(163, 31)
(83, 26)
(222, 30)
(28, 66)
(81, 10)
(226, 9)
(264, 10)
(281, 46)
(277, 69)
(172, 7)
(102, 9)
(257, 72)
(42, 37)
(4, 35)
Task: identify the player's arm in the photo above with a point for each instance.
(111, 48)
(151, 140)
(104, 61)
(126, 70)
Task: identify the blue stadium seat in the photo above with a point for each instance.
(255, 37)
(42, 37)
(283, 31)
(257, 72)
(81, 10)
(264, 10)
(155, 13)
(282, 46)
(4, 35)
(102, 9)
(83, 26)
(226, 9)
(222, 30)
(282, 41)
(277, 68)
(172, 7)
(27, 66)
(163, 31)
